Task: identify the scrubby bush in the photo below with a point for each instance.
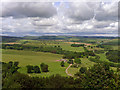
(44, 67)
(62, 64)
(83, 69)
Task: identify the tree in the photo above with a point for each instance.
(29, 69)
(77, 60)
(118, 69)
(70, 61)
(62, 64)
(13, 69)
(36, 69)
(83, 69)
(16, 63)
(99, 76)
(44, 67)
(10, 63)
(75, 65)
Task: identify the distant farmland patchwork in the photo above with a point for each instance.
(25, 57)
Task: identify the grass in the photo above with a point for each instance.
(115, 47)
(68, 47)
(64, 46)
(103, 57)
(29, 57)
(54, 68)
(35, 58)
(84, 63)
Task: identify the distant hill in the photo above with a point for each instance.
(10, 39)
(14, 39)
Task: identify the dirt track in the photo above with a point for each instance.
(67, 71)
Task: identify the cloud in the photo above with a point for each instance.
(88, 10)
(108, 11)
(79, 11)
(83, 18)
(28, 9)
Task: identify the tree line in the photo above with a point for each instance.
(77, 45)
(36, 69)
(51, 49)
(99, 76)
(113, 55)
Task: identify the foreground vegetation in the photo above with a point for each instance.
(98, 76)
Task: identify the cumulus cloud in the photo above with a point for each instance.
(79, 11)
(87, 10)
(108, 11)
(81, 18)
(28, 9)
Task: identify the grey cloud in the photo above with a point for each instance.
(79, 11)
(28, 9)
(108, 12)
(102, 24)
(76, 19)
(88, 10)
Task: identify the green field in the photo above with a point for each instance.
(35, 58)
(84, 63)
(63, 45)
(68, 47)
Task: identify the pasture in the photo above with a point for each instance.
(35, 58)
(45, 43)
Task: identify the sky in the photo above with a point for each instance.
(59, 18)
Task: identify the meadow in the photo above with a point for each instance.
(62, 44)
(36, 58)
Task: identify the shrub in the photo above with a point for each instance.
(36, 69)
(62, 64)
(77, 60)
(44, 67)
(83, 69)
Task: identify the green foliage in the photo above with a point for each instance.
(62, 64)
(76, 45)
(29, 69)
(44, 67)
(36, 69)
(16, 63)
(99, 76)
(8, 69)
(83, 69)
(70, 61)
(33, 69)
(10, 63)
(118, 69)
(75, 65)
(99, 51)
(51, 49)
(113, 55)
(77, 60)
